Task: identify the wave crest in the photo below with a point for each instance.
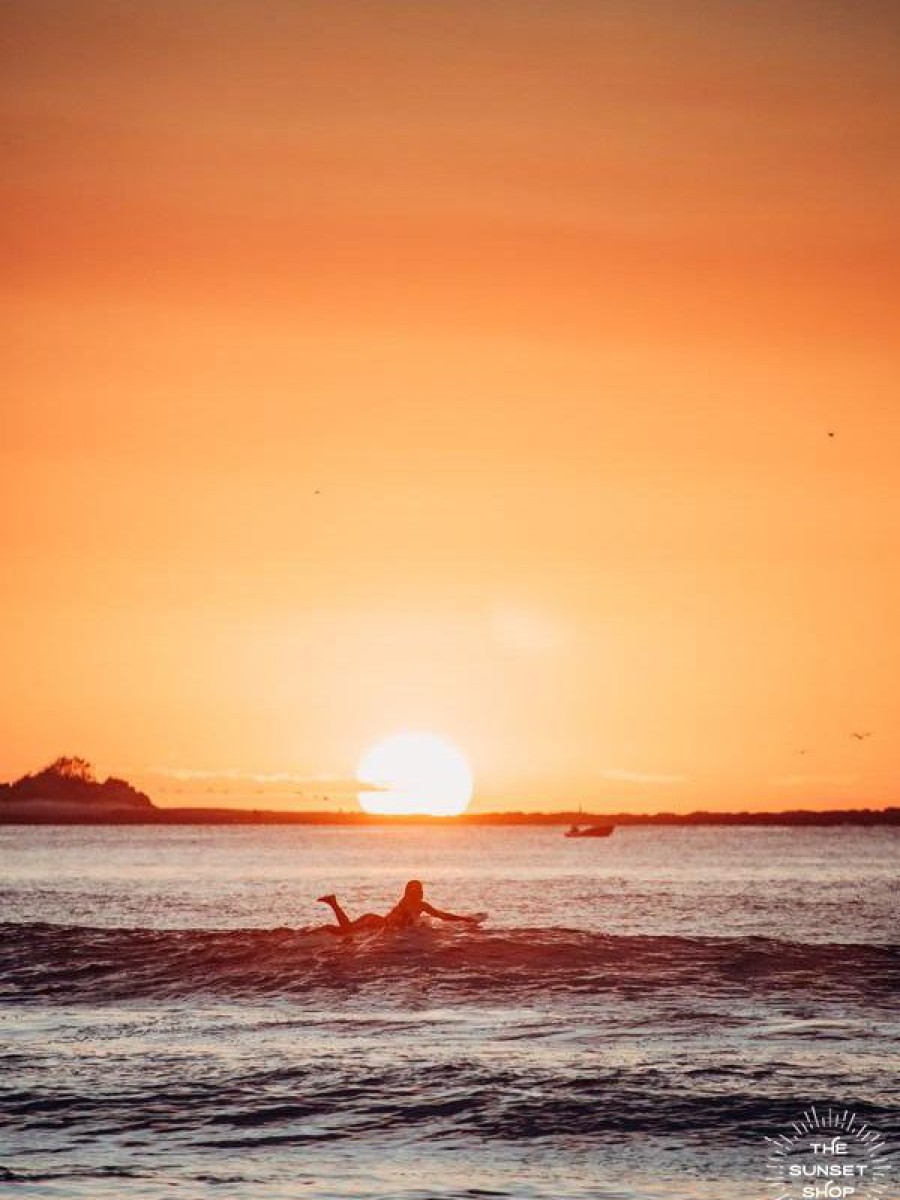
(78, 963)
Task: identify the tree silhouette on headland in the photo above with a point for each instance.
(72, 768)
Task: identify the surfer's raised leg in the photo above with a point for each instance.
(345, 926)
(344, 922)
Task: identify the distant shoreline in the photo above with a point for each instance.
(67, 793)
(794, 818)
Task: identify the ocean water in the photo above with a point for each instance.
(634, 1018)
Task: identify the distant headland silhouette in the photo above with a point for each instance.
(68, 786)
(68, 793)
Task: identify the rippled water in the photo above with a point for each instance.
(631, 1021)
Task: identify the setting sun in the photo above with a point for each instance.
(415, 773)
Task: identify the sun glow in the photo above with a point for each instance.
(413, 773)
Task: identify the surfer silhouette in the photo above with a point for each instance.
(406, 912)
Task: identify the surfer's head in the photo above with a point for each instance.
(413, 891)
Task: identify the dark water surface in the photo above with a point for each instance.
(634, 1018)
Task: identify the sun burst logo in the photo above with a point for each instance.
(828, 1156)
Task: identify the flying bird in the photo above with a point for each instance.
(860, 736)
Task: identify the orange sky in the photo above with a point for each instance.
(465, 367)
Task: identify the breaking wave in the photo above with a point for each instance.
(81, 964)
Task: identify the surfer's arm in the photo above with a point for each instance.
(446, 916)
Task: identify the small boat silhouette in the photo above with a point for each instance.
(590, 831)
